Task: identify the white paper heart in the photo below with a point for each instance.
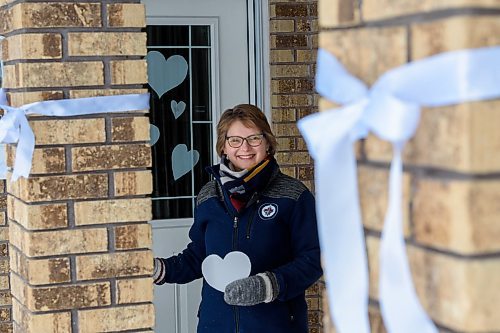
(177, 108)
(154, 134)
(220, 272)
(164, 75)
(183, 160)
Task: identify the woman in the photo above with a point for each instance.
(251, 207)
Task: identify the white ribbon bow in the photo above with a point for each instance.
(390, 109)
(14, 126)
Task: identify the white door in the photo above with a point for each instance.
(198, 66)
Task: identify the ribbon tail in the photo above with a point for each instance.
(342, 239)
(24, 150)
(400, 307)
(339, 218)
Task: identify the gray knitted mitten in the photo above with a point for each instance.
(252, 290)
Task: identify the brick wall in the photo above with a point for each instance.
(293, 44)
(452, 183)
(80, 244)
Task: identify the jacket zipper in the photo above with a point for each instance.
(235, 232)
(235, 238)
(250, 221)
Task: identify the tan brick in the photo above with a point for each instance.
(289, 70)
(34, 217)
(457, 215)
(282, 26)
(373, 191)
(306, 55)
(35, 323)
(5, 315)
(289, 41)
(50, 188)
(118, 264)
(126, 15)
(134, 290)
(461, 294)
(111, 157)
(368, 52)
(7, 327)
(128, 72)
(4, 282)
(134, 236)
(59, 242)
(45, 15)
(4, 233)
(285, 129)
(45, 160)
(338, 13)
(461, 137)
(69, 131)
(130, 129)
(287, 144)
(372, 249)
(283, 115)
(61, 297)
(40, 271)
(116, 319)
(5, 298)
(281, 56)
(454, 33)
(112, 211)
(105, 92)
(106, 43)
(133, 183)
(377, 10)
(4, 266)
(293, 158)
(32, 46)
(291, 100)
(21, 98)
(376, 321)
(54, 74)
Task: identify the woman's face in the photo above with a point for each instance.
(245, 156)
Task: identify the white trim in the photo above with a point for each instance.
(171, 223)
(261, 55)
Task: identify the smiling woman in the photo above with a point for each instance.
(196, 49)
(253, 209)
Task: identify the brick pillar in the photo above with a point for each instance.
(452, 183)
(5, 298)
(80, 244)
(293, 43)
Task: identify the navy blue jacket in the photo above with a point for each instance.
(278, 232)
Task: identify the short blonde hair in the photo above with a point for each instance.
(249, 115)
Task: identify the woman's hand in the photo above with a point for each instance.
(255, 289)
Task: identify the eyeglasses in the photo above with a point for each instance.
(252, 140)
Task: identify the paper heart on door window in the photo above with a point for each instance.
(183, 160)
(165, 75)
(154, 134)
(220, 272)
(177, 108)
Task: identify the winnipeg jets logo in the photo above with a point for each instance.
(268, 211)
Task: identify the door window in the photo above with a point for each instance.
(180, 82)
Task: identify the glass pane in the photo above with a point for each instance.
(175, 208)
(200, 35)
(170, 113)
(167, 35)
(201, 85)
(180, 98)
